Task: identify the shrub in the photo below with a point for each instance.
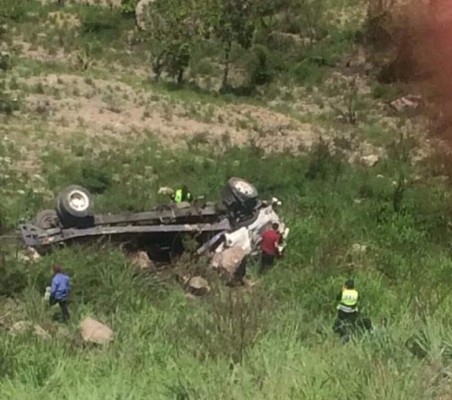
(323, 163)
(13, 9)
(14, 278)
(128, 6)
(233, 322)
(259, 67)
(96, 178)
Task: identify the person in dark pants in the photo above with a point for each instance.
(348, 297)
(271, 239)
(59, 292)
(347, 310)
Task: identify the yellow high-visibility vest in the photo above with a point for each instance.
(349, 297)
(178, 196)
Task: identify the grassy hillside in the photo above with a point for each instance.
(78, 106)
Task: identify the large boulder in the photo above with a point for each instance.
(95, 332)
(230, 263)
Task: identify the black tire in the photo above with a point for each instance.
(47, 219)
(75, 207)
(242, 189)
(239, 195)
(75, 201)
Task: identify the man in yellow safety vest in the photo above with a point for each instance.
(347, 309)
(182, 195)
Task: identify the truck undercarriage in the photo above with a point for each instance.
(238, 220)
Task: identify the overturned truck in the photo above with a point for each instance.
(164, 232)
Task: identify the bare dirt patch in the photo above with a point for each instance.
(100, 107)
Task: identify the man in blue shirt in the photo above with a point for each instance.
(60, 291)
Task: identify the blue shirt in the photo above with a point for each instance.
(60, 286)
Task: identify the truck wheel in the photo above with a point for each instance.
(238, 195)
(75, 207)
(75, 201)
(47, 219)
(242, 189)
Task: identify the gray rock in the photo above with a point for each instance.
(407, 103)
(142, 261)
(198, 286)
(370, 160)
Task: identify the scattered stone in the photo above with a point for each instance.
(29, 255)
(165, 190)
(359, 248)
(93, 331)
(142, 261)
(407, 103)
(198, 286)
(41, 332)
(20, 327)
(370, 160)
(249, 283)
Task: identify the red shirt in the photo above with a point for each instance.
(270, 239)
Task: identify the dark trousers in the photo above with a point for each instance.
(344, 322)
(347, 317)
(267, 261)
(63, 306)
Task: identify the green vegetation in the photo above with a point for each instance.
(387, 226)
(274, 341)
(255, 41)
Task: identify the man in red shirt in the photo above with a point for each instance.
(269, 247)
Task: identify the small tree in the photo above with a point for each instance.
(232, 21)
(172, 28)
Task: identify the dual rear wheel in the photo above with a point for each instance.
(74, 208)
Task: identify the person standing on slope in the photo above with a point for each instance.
(59, 292)
(270, 241)
(347, 309)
